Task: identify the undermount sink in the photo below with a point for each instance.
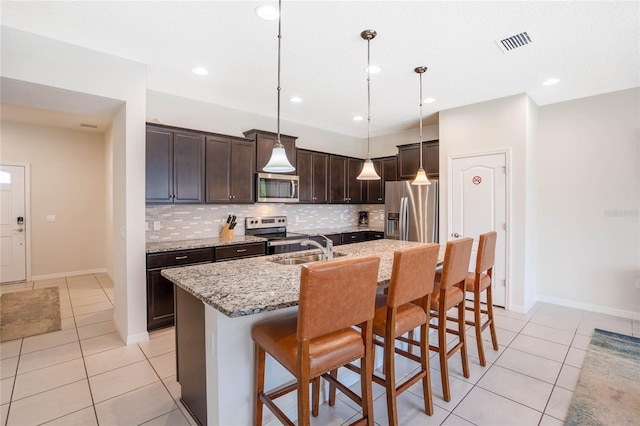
(304, 259)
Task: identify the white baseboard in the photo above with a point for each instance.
(68, 274)
(132, 338)
(589, 307)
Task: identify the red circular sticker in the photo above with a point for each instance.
(476, 180)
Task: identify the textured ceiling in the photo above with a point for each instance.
(593, 47)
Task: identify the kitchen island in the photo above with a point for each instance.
(216, 305)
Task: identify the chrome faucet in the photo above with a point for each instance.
(327, 251)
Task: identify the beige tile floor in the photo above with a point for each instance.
(84, 374)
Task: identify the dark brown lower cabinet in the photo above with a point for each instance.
(160, 291)
(159, 301)
(191, 354)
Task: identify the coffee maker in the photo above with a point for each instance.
(363, 219)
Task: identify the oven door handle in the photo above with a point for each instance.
(284, 242)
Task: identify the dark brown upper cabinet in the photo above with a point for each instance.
(264, 145)
(343, 185)
(387, 169)
(409, 159)
(313, 168)
(230, 170)
(174, 166)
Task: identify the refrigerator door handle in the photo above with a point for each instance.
(404, 229)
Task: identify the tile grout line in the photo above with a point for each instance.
(84, 363)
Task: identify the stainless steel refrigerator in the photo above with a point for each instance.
(411, 211)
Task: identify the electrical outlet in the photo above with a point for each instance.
(146, 226)
(156, 225)
(51, 218)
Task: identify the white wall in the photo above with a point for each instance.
(177, 111)
(588, 203)
(68, 181)
(39, 60)
(484, 127)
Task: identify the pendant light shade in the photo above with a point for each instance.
(421, 176)
(368, 171)
(279, 163)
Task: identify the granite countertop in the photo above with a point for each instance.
(163, 246)
(250, 286)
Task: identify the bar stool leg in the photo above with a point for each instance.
(390, 379)
(463, 340)
(315, 388)
(303, 391)
(478, 326)
(492, 326)
(332, 388)
(442, 350)
(424, 361)
(259, 382)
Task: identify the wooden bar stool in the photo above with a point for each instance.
(334, 296)
(481, 281)
(447, 294)
(405, 307)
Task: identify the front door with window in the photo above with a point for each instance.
(13, 248)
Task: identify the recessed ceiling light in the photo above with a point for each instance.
(200, 71)
(373, 69)
(267, 12)
(295, 99)
(357, 118)
(428, 100)
(551, 82)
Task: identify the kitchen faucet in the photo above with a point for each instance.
(328, 251)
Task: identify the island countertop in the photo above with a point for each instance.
(250, 286)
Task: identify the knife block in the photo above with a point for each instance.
(226, 233)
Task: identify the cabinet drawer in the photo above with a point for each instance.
(238, 251)
(180, 257)
(374, 235)
(353, 237)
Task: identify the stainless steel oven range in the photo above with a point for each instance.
(274, 229)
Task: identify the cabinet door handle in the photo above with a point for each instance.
(181, 257)
(241, 250)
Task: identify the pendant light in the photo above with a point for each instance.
(278, 163)
(368, 171)
(421, 176)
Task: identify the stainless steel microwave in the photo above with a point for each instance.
(275, 188)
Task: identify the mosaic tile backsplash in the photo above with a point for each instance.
(193, 221)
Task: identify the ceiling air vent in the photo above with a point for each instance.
(91, 126)
(510, 43)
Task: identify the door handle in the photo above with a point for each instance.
(19, 229)
(456, 235)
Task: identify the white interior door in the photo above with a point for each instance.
(13, 253)
(478, 205)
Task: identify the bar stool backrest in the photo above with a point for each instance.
(414, 269)
(336, 295)
(456, 262)
(486, 252)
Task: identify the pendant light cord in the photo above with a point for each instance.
(421, 120)
(278, 143)
(368, 95)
